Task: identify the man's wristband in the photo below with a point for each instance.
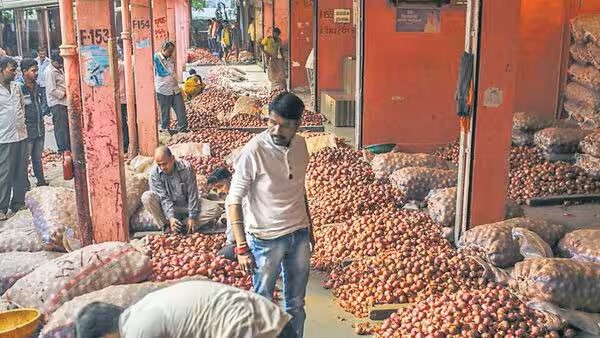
(240, 250)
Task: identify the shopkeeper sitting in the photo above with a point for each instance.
(173, 198)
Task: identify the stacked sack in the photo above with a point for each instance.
(524, 127)
(582, 93)
(589, 160)
(559, 144)
(557, 273)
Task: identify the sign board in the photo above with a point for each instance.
(342, 15)
(420, 20)
(459, 2)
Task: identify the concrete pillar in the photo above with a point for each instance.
(147, 117)
(159, 29)
(102, 119)
(492, 127)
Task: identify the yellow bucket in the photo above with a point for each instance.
(21, 323)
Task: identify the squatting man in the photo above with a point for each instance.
(173, 199)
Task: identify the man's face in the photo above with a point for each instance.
(168, 52)
(57, 65)
(31, 74)
(276, 35)
(281, 129)
(9, 73)
(42, 54)
(165, 163)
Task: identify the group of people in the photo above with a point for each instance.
(269, 234)
(225, 38)
(40, 90)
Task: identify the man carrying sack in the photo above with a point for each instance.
(271, 47)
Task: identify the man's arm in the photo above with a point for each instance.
(51, 86)
(245, 172)
(310, 224)
(165, 202)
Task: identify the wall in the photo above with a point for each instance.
(268, 17)
(540, 56)
(410, 80)
(282, 19)
(301, 40)
(336, 41)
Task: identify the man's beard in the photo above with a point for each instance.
(278, 140)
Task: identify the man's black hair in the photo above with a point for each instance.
(97, 320)
(55, 57)
(288, 106)
(28, 63)
(192, 72)
(5, 61)
(218, 175)
(42, 48)
(277, 30)
(168, 44)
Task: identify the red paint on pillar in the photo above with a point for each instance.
(182, 34)
(410, 80)
(268, 17)
(336, 42)
(540, 56)
(301, 40)
(147, 118)
(282, 19)
(159, 27)
(102, 120)
(498, 69)
(171, 24)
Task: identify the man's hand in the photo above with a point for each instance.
(246, 262)
(192, 224)
(312, 240)
(176, 225)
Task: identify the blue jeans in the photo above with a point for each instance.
(290, 255)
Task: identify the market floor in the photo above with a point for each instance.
(324, 317)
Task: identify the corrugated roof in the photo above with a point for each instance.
(14, 4)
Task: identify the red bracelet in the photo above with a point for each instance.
(240, 250)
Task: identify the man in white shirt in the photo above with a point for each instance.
(168, 92)
(43, 63)
(269, 179)
(56, 95)
(13, 138)
(194, 309)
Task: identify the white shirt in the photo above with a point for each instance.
(202, 309)
(310, 62)
(42, 66)
(12, 114)
(167, 85)
(55, 86)
(271, 178)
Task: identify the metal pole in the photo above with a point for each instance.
(68, 50)
(129, 83)
(48, 37)
(360, 73)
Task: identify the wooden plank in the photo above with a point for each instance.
(256, 130)
(384, 311)
(561, 199)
